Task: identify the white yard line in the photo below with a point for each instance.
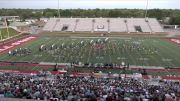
(100, 37)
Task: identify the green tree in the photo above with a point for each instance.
(49, 14)
(156, 13)
(175, 20)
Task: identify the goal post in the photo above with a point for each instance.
(1, 35)
(7, 27)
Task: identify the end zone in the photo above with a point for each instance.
(15, 43)
(176, 41)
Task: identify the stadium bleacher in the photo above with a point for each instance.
(117, 25)
(138, 22)
(84, 25)
(103, 25)
(50, 25)
(156, 27)
(64, 22)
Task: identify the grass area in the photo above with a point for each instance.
(164, 73)
(135, 51)
(4, 33)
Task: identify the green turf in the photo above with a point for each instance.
(4, 33)
(156, 52)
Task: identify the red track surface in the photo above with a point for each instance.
(77, 73)
(170, 77)
(64, 66)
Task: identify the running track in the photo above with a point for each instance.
(77, 73)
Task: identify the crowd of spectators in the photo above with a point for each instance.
(68, 88)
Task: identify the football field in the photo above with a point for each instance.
(101, 51)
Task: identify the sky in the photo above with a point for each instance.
(90, 4)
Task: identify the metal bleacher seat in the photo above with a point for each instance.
(50, 24)
(156, 27)
(117, 25)
(84, 24)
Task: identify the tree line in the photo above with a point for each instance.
(160, 14)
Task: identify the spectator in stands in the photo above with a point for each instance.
(85, 89)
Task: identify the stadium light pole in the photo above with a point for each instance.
(58, 10)
(147, 3)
